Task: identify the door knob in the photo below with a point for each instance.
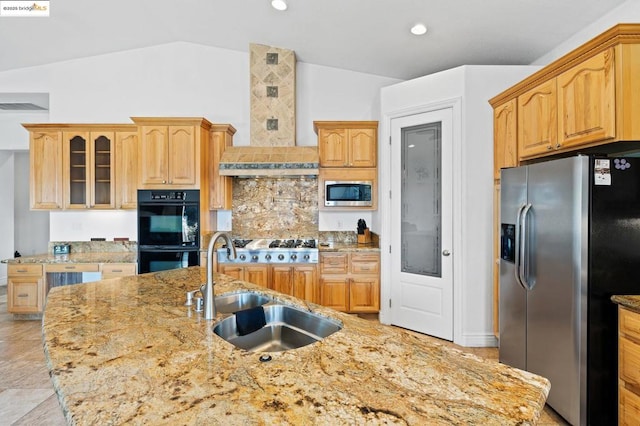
(446, 252)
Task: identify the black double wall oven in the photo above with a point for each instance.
(168, 229)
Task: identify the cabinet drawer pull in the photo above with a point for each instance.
(69, 267)
(21, 270)
(23, 295)
(116, 270)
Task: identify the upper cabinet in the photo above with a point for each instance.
(538, 120)
(347, 143)
(45, 174)
(169, 151)
(88, 168)
(73, 166)
(584, 99)
(505, 140)
(127, 169)
(220, 187)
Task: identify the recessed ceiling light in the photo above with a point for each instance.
(419, 29)
(279, 4)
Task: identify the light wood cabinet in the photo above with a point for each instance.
(296, 280)
(77, 166)
(168, 156)
(126, 170)
(220, 187)
(538, 120)
(88, 169)
(45, 174)
(505, 137)
(628, 366)
(350, 282)
(117, 270)
(586, 101)
(25, 288)
(259, 274)
(347, 143)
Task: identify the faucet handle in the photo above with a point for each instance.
(190, 295)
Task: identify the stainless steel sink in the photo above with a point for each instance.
(230, 303)
(286, 328)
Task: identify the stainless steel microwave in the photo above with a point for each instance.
(347, 193)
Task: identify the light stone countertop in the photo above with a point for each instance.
(630, 302)
(127, 350)
(94, 257)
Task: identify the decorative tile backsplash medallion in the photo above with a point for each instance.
(275, 208)
(273, 96)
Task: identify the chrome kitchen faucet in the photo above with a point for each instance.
(208, 294)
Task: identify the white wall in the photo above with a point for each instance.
(628, 12)
(470, 87)
(6, 213)
(31, 234)
(177, 79)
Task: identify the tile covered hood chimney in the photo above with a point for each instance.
(272, 150)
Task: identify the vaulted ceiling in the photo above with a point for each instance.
(370, 36)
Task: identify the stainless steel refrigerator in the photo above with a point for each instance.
(570, 238)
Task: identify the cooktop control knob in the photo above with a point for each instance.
(254, 257)
(294, 257)
(243, 256)
(306, 257)
(268, 257)
(281, 256)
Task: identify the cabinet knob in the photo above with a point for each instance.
(549, 147)
(164, 181)
(558, 145)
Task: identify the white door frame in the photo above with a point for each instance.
(384, 205)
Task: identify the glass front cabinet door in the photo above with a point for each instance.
(88, 169)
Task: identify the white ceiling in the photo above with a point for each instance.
(370, 36)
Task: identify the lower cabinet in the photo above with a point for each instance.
(628, 367)
(256, 273)
(25, 288)
(350, 281)
(27, 283)
(295, 280)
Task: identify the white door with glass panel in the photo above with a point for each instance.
(422, 223)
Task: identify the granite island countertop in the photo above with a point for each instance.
(128, 350)
(630, 302)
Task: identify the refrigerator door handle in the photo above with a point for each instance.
(518, 246)
(523, 267)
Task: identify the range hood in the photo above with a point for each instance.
(247, 161)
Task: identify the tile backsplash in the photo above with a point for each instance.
(275, 207)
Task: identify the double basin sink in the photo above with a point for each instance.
(284, 327)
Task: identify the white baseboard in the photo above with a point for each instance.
(478, 341)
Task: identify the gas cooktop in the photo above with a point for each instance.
(272, 251)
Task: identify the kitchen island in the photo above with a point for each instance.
(128, 350)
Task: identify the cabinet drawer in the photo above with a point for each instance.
(24, 269)
(629, 324)
(334, 263)
(365, 263)
(629, 410)
(629, 361)
(73, 267)
(110, 270)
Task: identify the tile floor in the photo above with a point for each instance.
(26, 393)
